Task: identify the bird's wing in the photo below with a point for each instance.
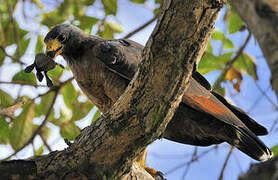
(123, 57)
(249, 122)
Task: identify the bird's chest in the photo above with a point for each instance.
(101, 86)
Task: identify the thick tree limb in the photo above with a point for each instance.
(265, 170)
(106, 149)
(261, 17)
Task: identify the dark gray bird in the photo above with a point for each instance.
(103, 68)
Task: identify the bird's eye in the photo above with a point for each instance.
(61, 37)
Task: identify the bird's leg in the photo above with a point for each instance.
(30, 68)
(141, 161)
(39, 75)
(48, 80)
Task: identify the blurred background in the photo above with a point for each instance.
(49, 116)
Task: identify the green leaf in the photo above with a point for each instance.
(5, 99)
(221, 91)
(78, 9)
(234, 23)
(274, 149)
(110, 6)
(43, 107)
(208, 63)
(53, 18)
(138, 1)
(69, 131)
(209, 47)
(22, 76)
(217, 35)
(39, 151)
(83, 110)
(96, 115)
(2, 57)
(227, 43)
(223, 58)
(22, 126)
(86, 22)
(88, 2)
(4, 131)
(23, 45)
(248, 64)
(110, 28)
(156, 11)
(44, 132)
(115, 27)
(55, 73)
(70, 95)
(64, 118)
(39, 45)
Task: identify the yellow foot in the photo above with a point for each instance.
(141, 161)
(154, 173)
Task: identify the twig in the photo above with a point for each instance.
(140, 28)
(257, 100)
(266, 96)
(230, 63)
(38, 129)
(22, 83)
(273, 125)
(6, 54)
(193, 158)
(46, 144)
(8, 111)
(190, 161)
(56, 89)
(225, 163)
(15, 31)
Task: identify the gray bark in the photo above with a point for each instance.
(261, 16)
(107, 148)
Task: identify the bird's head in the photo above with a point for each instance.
(61, 37)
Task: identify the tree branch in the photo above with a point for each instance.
(261, 17)
(230, 63)
(140, 28)
(107, 148)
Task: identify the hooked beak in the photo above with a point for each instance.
(54, 48)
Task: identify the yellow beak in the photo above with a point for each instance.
(54, 46)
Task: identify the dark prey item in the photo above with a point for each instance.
(43, 63)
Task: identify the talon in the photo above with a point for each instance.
(48, 80)
(160, 175)
(39, 76)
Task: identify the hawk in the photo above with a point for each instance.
(104, 67)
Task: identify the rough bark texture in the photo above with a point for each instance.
(261, 17)
(266, 170)
(106, 149)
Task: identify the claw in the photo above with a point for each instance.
(48, 80)
(160, 175)
(39, 76)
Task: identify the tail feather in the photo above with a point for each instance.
(251, 145)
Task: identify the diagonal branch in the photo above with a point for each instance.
(107, 148)
(140, 28)
(230, 63)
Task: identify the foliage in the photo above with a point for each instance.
(18, 131)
